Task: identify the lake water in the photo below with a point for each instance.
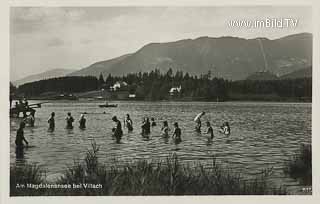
(263, 135)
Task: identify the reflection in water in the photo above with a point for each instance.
(19, 152)
(263, 134)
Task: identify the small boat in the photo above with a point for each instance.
(106, 105)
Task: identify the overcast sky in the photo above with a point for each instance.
(45, 38)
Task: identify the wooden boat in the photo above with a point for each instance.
(106, 105)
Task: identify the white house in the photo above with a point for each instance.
(175, 90)
(118, 85)
(132, 95)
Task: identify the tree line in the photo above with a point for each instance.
(69, 84)
(155, 85)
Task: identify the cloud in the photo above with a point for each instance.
(49, 37)
(55, 42)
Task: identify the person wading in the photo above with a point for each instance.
(197, 119)
(128, 123)
(51, 122)
(117, 131)
(20, 136)
(69, 120)
(82, 122)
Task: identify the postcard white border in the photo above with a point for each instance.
(4, 104)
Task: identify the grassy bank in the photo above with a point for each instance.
(300, 165)
(163, 177)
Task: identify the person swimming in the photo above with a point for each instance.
(197, 119)
(225, 128)
(117, 130)
(128, 123)
(51, 121)
(176, 133)
(20, 136)
(209, 130)
(165, 129)
(69, 120)
(82, 122)
(153, 123)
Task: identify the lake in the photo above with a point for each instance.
(263, 135)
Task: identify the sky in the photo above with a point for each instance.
(45, 38)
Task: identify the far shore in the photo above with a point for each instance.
(174, 100)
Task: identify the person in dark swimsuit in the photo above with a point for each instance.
(117, 131)
(82, 122)
(20, 136)
(210, 130)
(153, 123)
(146, 126)
(128, 123)
(51, 122)
(69, 120)
(176, 133)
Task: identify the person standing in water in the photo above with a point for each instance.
(51, 122)
(176, 133)
(82, 122)
(226, 129)
(69, 120)
(20, 136)
(165, 129)
(197, 119)
(117, 131)
(29, 120)
(128, 123)
(210, 130)
(153, 123)
(146, 126)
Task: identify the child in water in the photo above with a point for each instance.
(82, 122)
(128, 123)
(51, 121)
(69, 120)
(20, 136)
(165, 129)
(117, 131)
(210, 130)
(176, 133)
(153, 123)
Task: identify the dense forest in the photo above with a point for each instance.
(62, 85)
(155, 85)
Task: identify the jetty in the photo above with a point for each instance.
(25, 109)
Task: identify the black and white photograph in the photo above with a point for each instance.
(160, 100)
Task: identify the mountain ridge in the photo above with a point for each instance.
(59, 72)
(227, 57)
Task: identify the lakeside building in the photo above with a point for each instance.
(119, 85)
(174, 91)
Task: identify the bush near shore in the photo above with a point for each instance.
(168, 177)
(300, 166)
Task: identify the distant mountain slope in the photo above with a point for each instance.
(301, 73)
(262, 76)
(98, 67)
(44, 75)
(228, 57)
